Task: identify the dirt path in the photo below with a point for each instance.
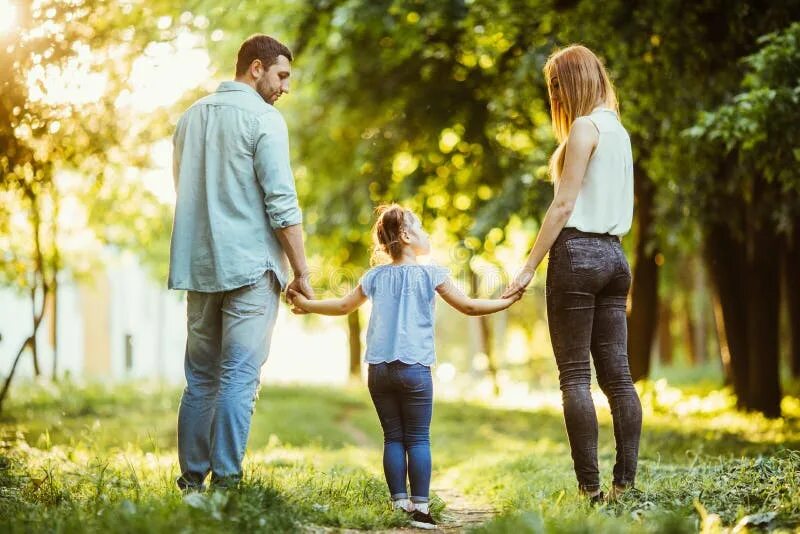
(459, 515)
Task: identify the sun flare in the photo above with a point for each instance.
(8, 16)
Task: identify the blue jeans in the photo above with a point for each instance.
(227, 344)
(588, 279)
(403, 398)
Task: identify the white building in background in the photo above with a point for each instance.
(125, 325)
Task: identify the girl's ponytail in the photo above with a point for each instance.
(386, 233)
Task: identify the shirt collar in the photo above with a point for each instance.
(233, 85)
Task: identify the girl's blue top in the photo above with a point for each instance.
(401, 323)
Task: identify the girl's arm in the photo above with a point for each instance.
(469, 306)
(341, 306)
(583, 137)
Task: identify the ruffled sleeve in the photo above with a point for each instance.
(439, 275)
(367, 282)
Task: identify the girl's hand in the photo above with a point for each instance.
(297, 300)
(518, 285)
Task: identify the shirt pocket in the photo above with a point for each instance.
(585, 255)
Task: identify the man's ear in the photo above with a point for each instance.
(256, 69)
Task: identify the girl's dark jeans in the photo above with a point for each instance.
(588, 279)
(403, 398)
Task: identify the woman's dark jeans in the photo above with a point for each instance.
(403, 398)
(588, 279)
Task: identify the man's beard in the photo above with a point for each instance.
(262, 88)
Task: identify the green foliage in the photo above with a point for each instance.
(63, 71)
(757, 127)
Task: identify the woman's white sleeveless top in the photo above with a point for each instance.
(605, 202)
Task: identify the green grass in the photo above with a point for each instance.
(103, 459)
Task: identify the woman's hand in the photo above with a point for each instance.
(518, 285)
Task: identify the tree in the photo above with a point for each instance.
(751, 201)
(51, 124)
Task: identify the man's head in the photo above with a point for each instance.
(265, 65)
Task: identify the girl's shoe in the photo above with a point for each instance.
(421, 520)
(403, 504)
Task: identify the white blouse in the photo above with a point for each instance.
(605, 201)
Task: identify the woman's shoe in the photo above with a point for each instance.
(599, 498)
(421, 520)
(616, 492)
(595, 499)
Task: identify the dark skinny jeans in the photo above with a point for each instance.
(588, 279)
(403, 398)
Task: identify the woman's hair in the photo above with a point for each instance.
(392, 219)
(581, 82)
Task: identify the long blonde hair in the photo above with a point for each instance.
(582, 81)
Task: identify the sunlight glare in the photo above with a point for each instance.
(8, 16)
(162, 75)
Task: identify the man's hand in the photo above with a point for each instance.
(518, 285)
(299, 285)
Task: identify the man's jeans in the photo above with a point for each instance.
(588, 279)
(228, 342)
(403, 398)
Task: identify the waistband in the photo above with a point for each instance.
(569, 233)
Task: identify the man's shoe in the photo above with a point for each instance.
(420, 520)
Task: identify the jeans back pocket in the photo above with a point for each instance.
(585, 254)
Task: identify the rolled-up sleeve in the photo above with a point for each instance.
(274, 171)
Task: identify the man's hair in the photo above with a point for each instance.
(263, 47)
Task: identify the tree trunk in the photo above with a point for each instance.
(690, 316)
(34, 343)
(762, 304)
(665, 345)
(701, 311)
(54, 283)
(643, 318)
(354, 337)
(10, 377)
(725, 258)
(792, 277)
(722, 339)
(485, 335)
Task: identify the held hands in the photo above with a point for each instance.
(297, 301)
(298, 289)
(518, 285)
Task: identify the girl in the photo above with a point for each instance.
(588, 277)
(400, 348)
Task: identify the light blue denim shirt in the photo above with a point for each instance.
(234, 186)
(401, 323)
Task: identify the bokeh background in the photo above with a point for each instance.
(439, 105)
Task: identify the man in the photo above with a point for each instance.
(236, 221)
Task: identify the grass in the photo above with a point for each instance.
(93, 458)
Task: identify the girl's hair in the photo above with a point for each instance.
(391, 221)
(582, 81)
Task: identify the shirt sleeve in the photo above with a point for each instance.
(439, 275)
(366, 282)
(274, 171)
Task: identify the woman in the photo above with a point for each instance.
(588, 277)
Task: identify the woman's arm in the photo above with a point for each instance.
(469, 306)
(341, 306)
(582, 139)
